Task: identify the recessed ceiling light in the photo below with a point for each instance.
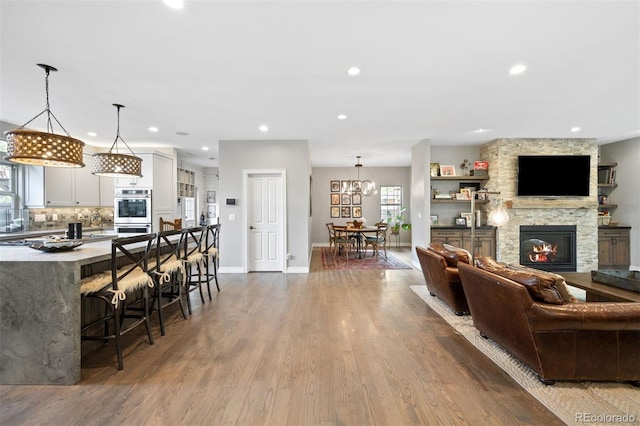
(153, 129)
(482, 130)
(575, 129)
(174, 4)
(182, 133)
(205, 148)
(353, 71)
(517, 69)
(263, 128)
(342, 117)
(92, 134)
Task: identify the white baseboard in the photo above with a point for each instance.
(231, 270)
(298, 270)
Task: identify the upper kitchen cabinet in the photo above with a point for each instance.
(159, 175)
(62, 186)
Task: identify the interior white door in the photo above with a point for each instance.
(265, 219)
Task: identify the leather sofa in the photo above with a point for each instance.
(440, 270)
(559, 339)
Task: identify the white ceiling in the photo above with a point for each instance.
(433, 70)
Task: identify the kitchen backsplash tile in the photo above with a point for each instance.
(55, 218)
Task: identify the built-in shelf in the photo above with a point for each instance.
(444, 200)
(461, 178)
(186, 183)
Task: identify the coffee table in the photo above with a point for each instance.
(599, 292)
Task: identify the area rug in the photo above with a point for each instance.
(575, 403)
(367, 262)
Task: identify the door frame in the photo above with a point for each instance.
(246, 174)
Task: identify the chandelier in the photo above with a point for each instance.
(44, 148)
(115, 164)
(365, 187)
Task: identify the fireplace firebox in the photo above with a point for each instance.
(548, 247)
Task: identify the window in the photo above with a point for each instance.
(390, 203)
(8, 173)
(190, 208)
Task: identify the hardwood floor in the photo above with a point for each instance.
(344, 347)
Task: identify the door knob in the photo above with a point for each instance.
(251, 227)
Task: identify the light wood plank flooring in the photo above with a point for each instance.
(327, 348)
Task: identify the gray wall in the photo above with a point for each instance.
(236, 156)
(370, 205)
(420, 197)
(627, 195)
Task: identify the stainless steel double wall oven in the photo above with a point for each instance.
(132, 211)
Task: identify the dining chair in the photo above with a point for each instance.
(343, 241)
(165, 225)
(377, 240)
(123, 290)
(169, 274)
(332, 237)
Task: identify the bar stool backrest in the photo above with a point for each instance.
(128, 258)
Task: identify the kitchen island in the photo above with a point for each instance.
(40, 312)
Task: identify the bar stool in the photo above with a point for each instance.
(193, 258)
(169, 274)
(119, 290)
(210, 253)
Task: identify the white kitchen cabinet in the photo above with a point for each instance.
(107, 191)
(87, 185)
(64, 187)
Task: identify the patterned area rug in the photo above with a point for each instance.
(575, 403)
(367, 262)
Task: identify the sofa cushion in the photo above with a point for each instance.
(540, 285)
(452, 254)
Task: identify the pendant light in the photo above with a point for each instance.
(115, 164)
(365, 187)
(44, 148)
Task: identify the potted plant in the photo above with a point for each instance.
(397, 221)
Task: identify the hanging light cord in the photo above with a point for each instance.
(115, 142)
(47, 109)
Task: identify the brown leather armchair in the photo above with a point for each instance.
(558, 340)
(442, 279)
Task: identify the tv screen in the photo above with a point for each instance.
(554, 175)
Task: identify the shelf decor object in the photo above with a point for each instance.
(365, 187)
(44, 148)
(115, 164)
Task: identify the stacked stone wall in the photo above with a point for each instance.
(502, 155)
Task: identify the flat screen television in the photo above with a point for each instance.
(554, 175)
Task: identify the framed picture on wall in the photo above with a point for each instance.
(335, 186)
(357, 211)
(356, 199)
(346, 199)
(335, 212)
(346, 211)
(335, 199)
(434, 169)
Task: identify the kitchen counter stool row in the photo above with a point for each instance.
(145, 274)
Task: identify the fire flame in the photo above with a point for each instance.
(543, 252)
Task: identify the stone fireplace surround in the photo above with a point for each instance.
(502, 155)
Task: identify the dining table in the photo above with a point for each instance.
(360, 234)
